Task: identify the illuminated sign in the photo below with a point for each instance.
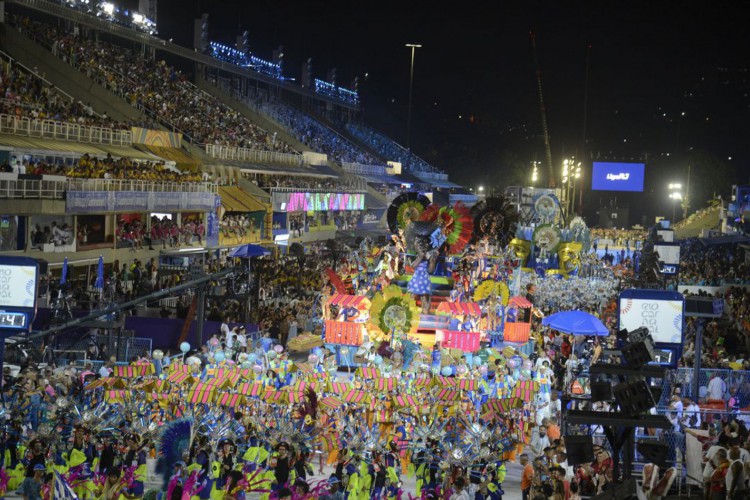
(17, 286)
(318, 202)
(608, 176)
(663, 318)
(669, 269)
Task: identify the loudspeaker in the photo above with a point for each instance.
(579, 449)
(601, 391)
(627, 490)
(639, 334)
(638, 354)
(654, 452)
(633, 398)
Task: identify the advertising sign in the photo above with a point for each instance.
(17, 286)
(136, 201)
(317, 202)
(608, 176)
(664, 317)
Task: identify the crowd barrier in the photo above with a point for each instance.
(737, 383)
(252, 155)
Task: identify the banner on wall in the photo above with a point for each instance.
(82, 202)
(317, 202)
(160, 138)
(212, 225)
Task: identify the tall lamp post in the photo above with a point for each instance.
(414, 47)
(676, 196)
(571, 171)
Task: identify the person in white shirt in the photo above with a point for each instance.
(241, 337)
(555, 405)
(675, 413)
(709, 468)
(224, 328)
(716, 387)
(539, 439)
(231, 336)
(691, 414)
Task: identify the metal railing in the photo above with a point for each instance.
(431, 176)
(140, 185)
(463, 198)
(63, 131)
(353, 188)
(33, 189)
(252, 155)
(359, 169)
(736, 383)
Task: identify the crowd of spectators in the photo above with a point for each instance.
(389, 149)
(24, 94)
(58, 235)
(164, 232)
(703, 265)
(303, 127)
(237, 225)
(90, 167)
(317, 136)
(619, 237)
(329, 184)
(160, 89)
(697, 215)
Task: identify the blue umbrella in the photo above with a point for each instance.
(64, 276)
(576, 322)
(249, 250)
(100, 274)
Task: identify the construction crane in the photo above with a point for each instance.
(547, 151)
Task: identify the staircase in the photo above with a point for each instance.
(692, 228)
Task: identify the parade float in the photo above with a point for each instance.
(450, 276)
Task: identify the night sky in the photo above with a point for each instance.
(476, 107)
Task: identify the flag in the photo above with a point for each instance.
(64, 276)
(100, 274)
(63, 491)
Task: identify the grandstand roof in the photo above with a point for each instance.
(382, 179)
(372, 202)
(45, 146)
(234, 199)
(182, 160)
(443, 184)
(270, 168)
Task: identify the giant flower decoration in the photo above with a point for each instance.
(392, 309)
(487, 288)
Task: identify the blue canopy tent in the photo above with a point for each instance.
(576, 323)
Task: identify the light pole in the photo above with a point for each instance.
(571, 171)
(535, 174)
(676, 196)
(414, 47)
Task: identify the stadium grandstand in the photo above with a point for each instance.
(106, 150)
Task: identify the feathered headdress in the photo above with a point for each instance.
(455, 222)
(496, 219)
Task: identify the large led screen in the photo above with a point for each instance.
(608, 176)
